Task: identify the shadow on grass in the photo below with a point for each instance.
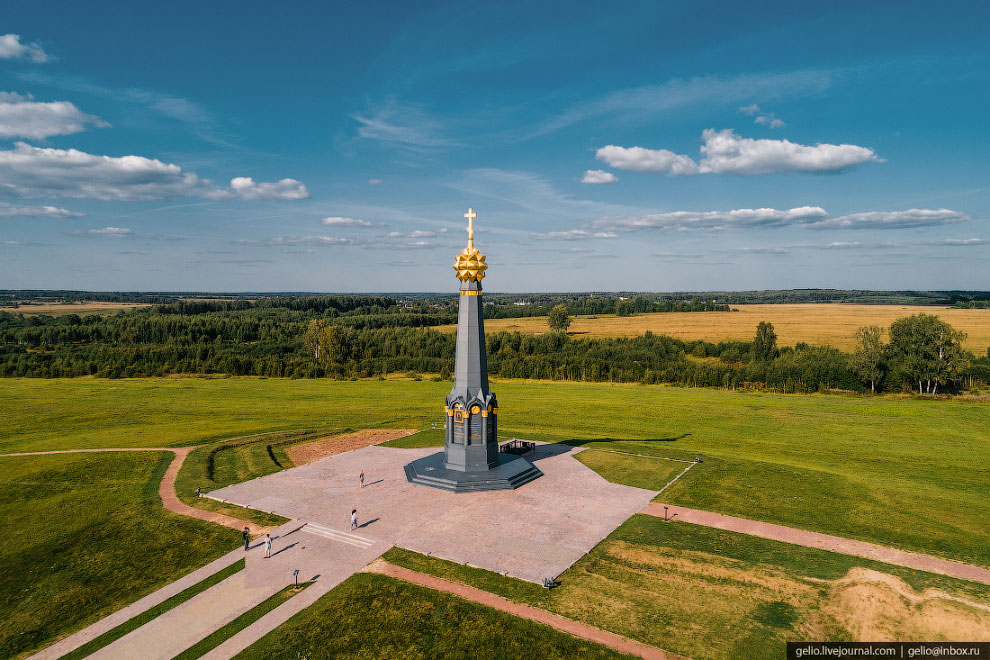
(581, 443)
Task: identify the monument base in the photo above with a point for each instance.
(511, 472)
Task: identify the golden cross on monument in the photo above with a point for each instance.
(471, 215)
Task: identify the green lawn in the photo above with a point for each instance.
(898, 471)
(375, 617)
(715, 595)
(87, 534)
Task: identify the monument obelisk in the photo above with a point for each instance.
(471, 460)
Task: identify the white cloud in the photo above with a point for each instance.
(762, 118)
(959, 242)
(639, 159)
(286, 189)
(419, 233)
(11, 48)
(689, 220)
(727, 153)
(574, 235)
(323, 241)
(892, 219)
(769, 120)
(21, 116)
(374, 182)
(27, 171)
(345, 222)
(756, 250)
(7, 211)
(724, 152)
(113, 232)
(847, 245)
(598, 176)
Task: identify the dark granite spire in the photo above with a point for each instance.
(471, 459)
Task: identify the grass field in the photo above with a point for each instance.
(714, 595)
(372, 616)
(905, 472)
(821, 324)
(85, 535)
(81, 308)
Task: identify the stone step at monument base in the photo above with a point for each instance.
(336, 535)
(512, 472)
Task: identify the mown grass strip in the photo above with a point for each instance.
(136, 622)
(210, 642)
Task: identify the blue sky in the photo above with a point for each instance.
(646, 146)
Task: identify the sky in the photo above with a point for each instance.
(635, 146)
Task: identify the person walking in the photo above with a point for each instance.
(247, 538)
(353, 519)
(361, 478)
(268, 546)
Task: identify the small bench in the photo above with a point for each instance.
(518, 447)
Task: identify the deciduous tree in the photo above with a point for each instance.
(765, 342)
(868, 359)
(558, 319)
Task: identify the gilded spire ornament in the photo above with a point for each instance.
(470, 263)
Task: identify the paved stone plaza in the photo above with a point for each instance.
(536, 531)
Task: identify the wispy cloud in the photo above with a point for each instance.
(646, 103)
(7, 211)
(166, 105)
(846, 245)
(724, 152)
(407, 125)
(336, 221)
(910, 218)
(756, 250)
(574, 235)
(11, 48)
(691, 220)
(959, 242)
(320, 241)
(110, 232)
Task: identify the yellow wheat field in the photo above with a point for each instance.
(822, 324)
(82, 308)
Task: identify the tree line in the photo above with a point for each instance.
(369, 336)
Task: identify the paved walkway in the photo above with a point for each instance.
(824, 542)
(580, 630)
(72, 642)
(322, 555)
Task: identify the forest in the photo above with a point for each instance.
(374, 336)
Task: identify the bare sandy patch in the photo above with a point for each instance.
(307, 452)
(875, 606)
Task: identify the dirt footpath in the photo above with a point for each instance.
(307, 452)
